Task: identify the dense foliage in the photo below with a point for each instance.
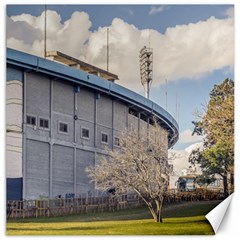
(217, 126)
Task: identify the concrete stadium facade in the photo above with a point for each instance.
(60, 120)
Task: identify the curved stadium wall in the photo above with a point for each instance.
(60, 120)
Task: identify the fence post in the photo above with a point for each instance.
(86, 204)
(48, 208)
(36, 213)
(23, 210)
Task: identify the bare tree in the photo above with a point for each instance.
(138, 165)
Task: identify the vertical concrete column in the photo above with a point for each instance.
(94, 163)
(51, 143)
(76, 91)
(74, 120)
(75, 171)
(97, 96)
(24, 133)
(113, 117)
(50, 169)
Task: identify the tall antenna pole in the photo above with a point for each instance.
(107, 49)
(45, 31)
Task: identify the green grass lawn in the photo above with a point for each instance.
(182, 218)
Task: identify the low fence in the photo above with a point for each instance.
(61, 207)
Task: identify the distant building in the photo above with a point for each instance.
(59, 121)
(192, 170)
(173, 180)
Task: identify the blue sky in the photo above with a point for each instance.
(167, 24)
(102, 15)
(190, 95)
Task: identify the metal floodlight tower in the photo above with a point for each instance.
(146, 68)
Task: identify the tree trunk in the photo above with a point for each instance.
(156, 210)
(159, 210)
(232, 182)
(154, 206)
(225, 185)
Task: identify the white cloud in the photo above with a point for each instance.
(68, 37)
(155, 10)
(229, 12)
(186, 137)
(179, 158)
(184, 51)
(18, 30)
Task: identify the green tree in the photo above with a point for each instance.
(205, 180)
(217, 126)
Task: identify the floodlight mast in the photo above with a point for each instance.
(146, 69)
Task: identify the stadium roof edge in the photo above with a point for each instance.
(30, 62)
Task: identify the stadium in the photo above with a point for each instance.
(61, 115)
